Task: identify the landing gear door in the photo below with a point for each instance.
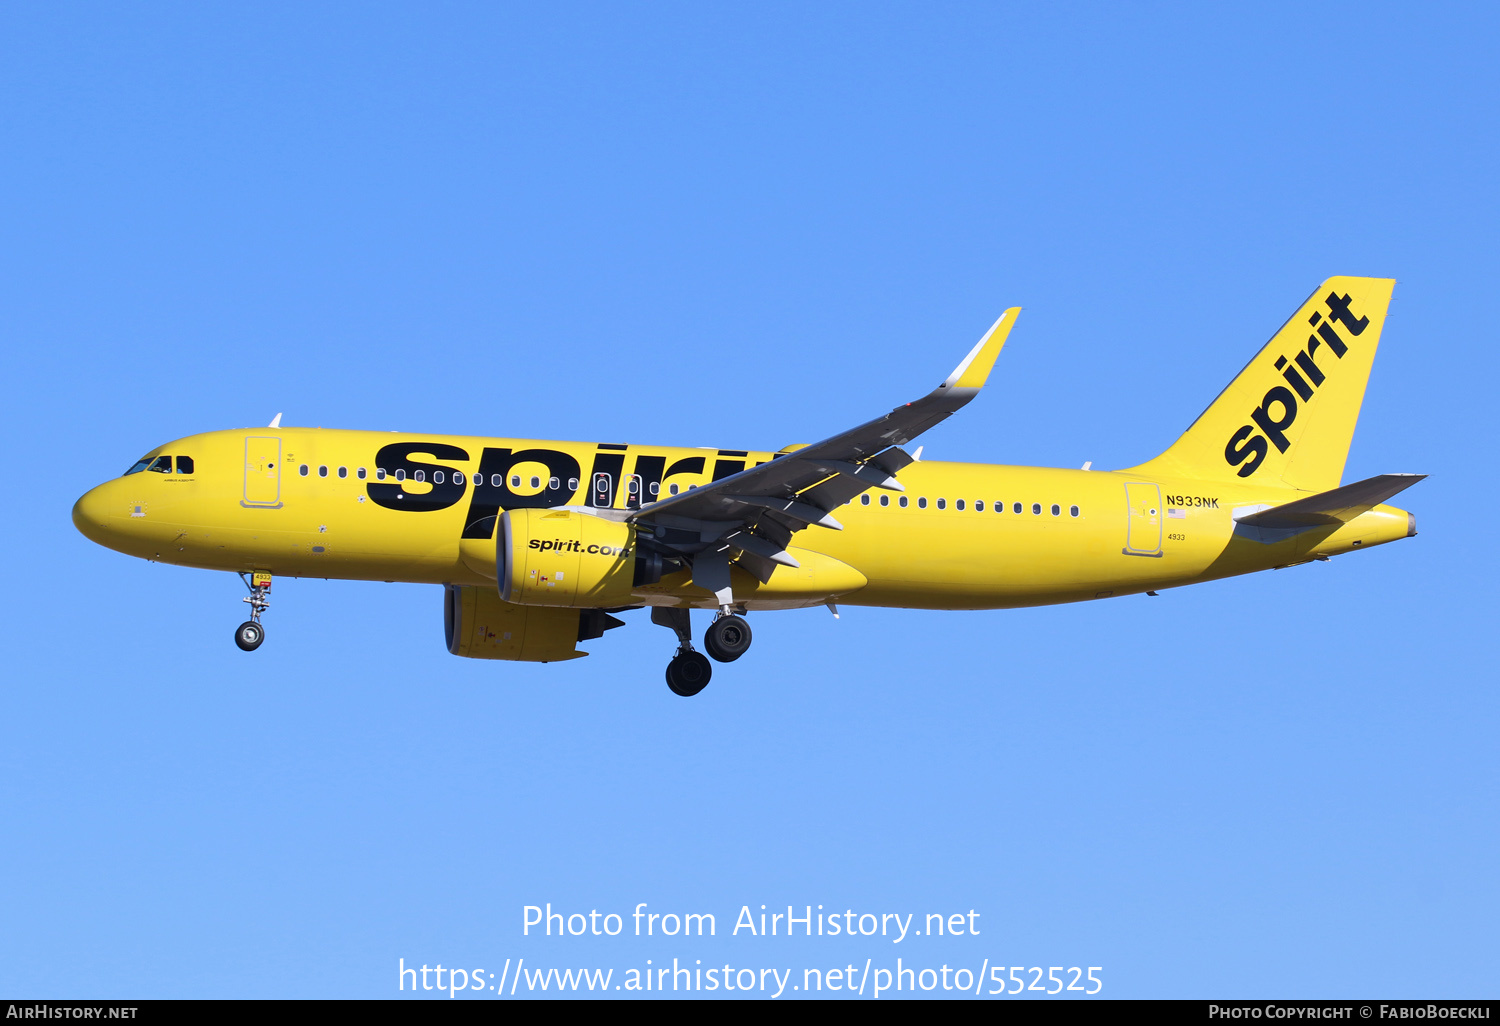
(1143, 522)
(262, 473)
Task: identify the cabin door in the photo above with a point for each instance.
(262, 473)
(1143, 523)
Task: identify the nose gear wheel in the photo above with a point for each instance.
(251, 633)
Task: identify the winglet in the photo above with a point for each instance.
(975, 369)
(275, 421)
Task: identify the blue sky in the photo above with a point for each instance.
(743, 226)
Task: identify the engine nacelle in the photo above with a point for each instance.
(555, 557)
(480, 625)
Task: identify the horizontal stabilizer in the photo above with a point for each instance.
(1334, 507)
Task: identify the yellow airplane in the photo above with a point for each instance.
(538, 543)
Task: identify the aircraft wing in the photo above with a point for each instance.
(750, 517)
(1337, 506)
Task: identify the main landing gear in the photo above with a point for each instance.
(689, 672)
(726, 639)
(250, 634)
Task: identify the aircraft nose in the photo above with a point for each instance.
(92, 516)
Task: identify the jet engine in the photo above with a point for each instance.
(556, 557)
(479, 624)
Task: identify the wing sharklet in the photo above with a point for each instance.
(974, 371)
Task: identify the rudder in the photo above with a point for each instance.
(1289, 416)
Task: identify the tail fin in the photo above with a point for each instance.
(1289, 416)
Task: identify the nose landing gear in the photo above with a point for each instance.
(250, 634)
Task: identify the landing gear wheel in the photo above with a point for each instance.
(688, 673)
(249, 635)
(727, 638)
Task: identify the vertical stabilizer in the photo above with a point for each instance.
(1289, 416)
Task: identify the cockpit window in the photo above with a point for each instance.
(161, 465)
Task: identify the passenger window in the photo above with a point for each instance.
(162, 465)
(653, 488)
(959, 504)
(458, 477)
(380, 473)
(515, 480)
(573, 485)
(184, 464)
(420, 475)
(922, 502)
(979, 505)
(885, 500)
(999, 506)
(360, 473)
(672, 490)
(864, 500)
(498, 480)
(302, 470)
(438, 477)
(902, 501)
(1056, 509)
(1018, 507)
(1073, 511)
(343, 472)
(553, 483)
(942, 504)
(322, 471)
(401, 474)
(1036, 509)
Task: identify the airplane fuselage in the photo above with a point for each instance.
(379, 506)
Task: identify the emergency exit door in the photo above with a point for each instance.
(262, 473)
(603, 491)
(1143, 524)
